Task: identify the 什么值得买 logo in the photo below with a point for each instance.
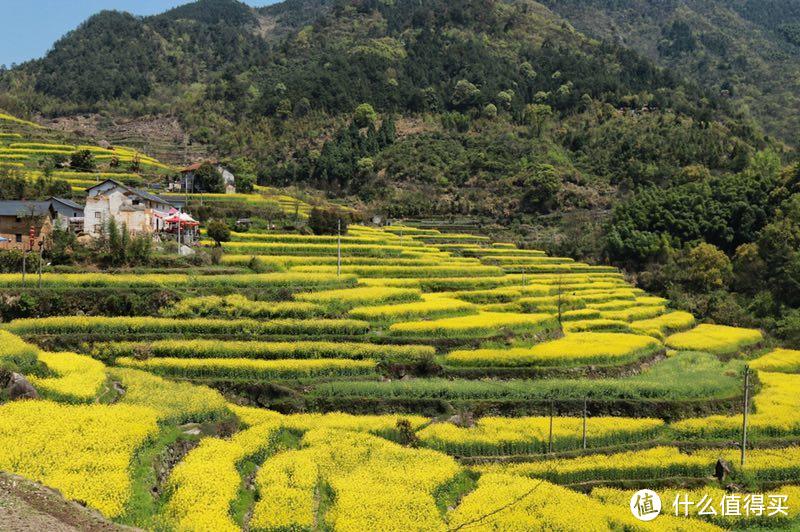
(645, 505)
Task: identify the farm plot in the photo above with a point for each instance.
(717, 339)
(574, 349)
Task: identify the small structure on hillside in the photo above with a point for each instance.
(186, 181)
(141, 212)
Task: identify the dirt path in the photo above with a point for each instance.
(28, 506)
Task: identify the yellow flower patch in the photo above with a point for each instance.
(573, 349)
(717, 339)
(84, 450)
(478, 325)
(776, 412)
(378, 485)
(782, 360)
(530, 435)
(206, 481)
(80, 378)
(506, 502)
(430, 307)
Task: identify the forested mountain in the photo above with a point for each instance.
(748, 50)
(635, 138)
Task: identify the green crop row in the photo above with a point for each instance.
(288, 280)
(243, 368)
(456, 270)
(262, 350)
(238, 306)
(197, 326)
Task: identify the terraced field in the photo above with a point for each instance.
(431, 382)
(26, 147)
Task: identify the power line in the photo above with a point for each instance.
(497, 510)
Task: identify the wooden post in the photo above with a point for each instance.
(41, 260)
(339, 248)
(745, 409)
(550, 439)
(585, 401)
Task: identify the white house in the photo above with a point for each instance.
(139, 211)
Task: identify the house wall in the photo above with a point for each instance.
(230, 180)
(136, 220)
(96, 214)
(14, 229)
(116, 204)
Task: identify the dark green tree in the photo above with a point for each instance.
(82, 161)
(208, 179)
(218, 231)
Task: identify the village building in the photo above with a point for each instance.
(139, 211)
(68, 214)
(19, 219)
(186, 181)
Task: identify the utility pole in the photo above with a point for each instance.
(339, 247)
(41, 260)
(745, 409)
(25, 250)
(585, 401)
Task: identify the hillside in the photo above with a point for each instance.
(488, 115)
(38, 162)
(748, 50)
(518, 113)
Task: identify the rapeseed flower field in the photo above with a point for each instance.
(438, 381)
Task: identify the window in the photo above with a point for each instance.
(97, 215)
(18, 237)
(97, 228)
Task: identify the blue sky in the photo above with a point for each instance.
(30, 27)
